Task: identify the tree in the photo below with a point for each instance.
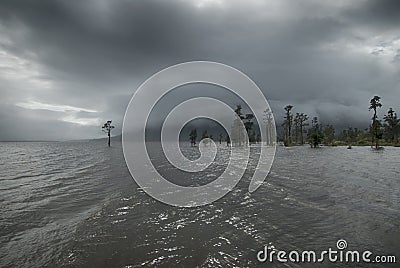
(299, 123)
(238, 111)
(351, 135)
(220, 138)
(315, 135)
(269, 124)
(391, 126)
(248, 124)
(205, 136)
(107, 127)
(258, 138)
(193, 137)
(228, 140)
(296, 128)
(329, 135)
(238, 133)
(375, 103)
(287, 124)
(303, 118)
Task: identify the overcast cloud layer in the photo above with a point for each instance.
(67, 66)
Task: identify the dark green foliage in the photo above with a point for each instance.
(386, 133)
(315, 134)
(391, 126)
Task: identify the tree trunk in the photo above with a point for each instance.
(301, 134)
(374, 132)
(109, 139)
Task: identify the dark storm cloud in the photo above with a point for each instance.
(377, 13)
(326, 59)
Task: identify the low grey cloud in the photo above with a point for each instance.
(67, 65)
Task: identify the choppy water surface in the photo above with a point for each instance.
(74, 204)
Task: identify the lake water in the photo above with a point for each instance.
(74, 204)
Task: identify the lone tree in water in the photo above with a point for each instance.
(107, 127)
(375, 103)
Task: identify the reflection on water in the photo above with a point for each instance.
(74, 204)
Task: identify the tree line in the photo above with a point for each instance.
(300, 129)
(297, 130)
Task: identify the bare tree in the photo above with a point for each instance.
(107, 127)
(269, 124)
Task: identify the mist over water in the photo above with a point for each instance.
(74, 204)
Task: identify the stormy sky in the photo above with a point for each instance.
(68, 66)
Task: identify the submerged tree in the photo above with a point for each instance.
(315, 135)
(392, 125)
(303, 118)
(375, 103)
(329, 135)
(287, 124)
(107, 127)
(248, 124)
(296, 122)
(193, 137)
(228, 140)
(300, 121)
(238, 132)
(303, 123)
(269, 124)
